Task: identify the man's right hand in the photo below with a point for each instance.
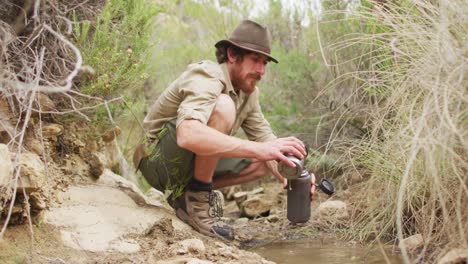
(276, 150)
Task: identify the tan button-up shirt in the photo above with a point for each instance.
(193, 96)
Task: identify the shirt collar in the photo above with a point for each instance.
(229, 87)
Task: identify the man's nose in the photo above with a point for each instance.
(260, 68)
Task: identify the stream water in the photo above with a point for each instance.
(315, 252)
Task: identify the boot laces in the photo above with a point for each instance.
(216, 208)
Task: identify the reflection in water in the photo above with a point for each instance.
(314, 252)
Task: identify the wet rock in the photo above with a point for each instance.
(335, 209)
(455, 256)
(255, 206)
(5, 165)
(192, 245)
(51, 131)
(413, 242)
(32, 173)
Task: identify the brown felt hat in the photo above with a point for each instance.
(250, 36)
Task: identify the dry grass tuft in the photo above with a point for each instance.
(415, 151)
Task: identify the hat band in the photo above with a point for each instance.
(251, 46)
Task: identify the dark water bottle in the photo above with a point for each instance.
(299, 198)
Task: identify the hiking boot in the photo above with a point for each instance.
(203, 210)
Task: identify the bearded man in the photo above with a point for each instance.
(191, 145)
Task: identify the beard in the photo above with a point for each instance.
(246, 84)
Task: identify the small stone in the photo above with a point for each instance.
(51, 131)
(273, 218)
(455, 256)
(193, 245)
(255, 206)
(413, 242)
(241, 221)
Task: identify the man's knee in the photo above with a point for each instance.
(224, 113)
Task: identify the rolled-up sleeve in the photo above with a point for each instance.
(200, 91)
(255, 126)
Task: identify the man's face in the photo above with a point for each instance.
(246, 73)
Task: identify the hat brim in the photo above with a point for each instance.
(227, 41)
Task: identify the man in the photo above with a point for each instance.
(191, 147)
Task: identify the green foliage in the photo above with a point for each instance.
(116, 46)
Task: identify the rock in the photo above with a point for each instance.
(91, 218)
(256, 206)
(111, 179)
(111, 134)
(273, 218)
(413, 242)
(192, 245)
(230, 191)
(335, 209)
(129, 246)
(32, 173)
(51, 131)
(240, 197)
(198, 261)
(155, 196)
(256, 191)
(183, 260)
(241, 221)
(455, 256)
(45, 103)
(5, 165)
(35, 146)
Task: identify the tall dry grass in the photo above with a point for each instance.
(415, 153)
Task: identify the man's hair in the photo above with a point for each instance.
(222, 55)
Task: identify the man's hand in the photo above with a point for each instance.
(312, 186)
(275, 150)
(272, 165)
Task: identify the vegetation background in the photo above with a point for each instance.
(376, 88)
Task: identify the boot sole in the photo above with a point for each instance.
(182, 215)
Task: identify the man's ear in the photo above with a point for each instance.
(230, 55)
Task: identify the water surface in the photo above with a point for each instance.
(314, 252)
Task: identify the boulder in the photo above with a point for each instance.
(32, 173)
(5, 165)
(258, 205)
(335, 209)
(413, 242)
(455, 256)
